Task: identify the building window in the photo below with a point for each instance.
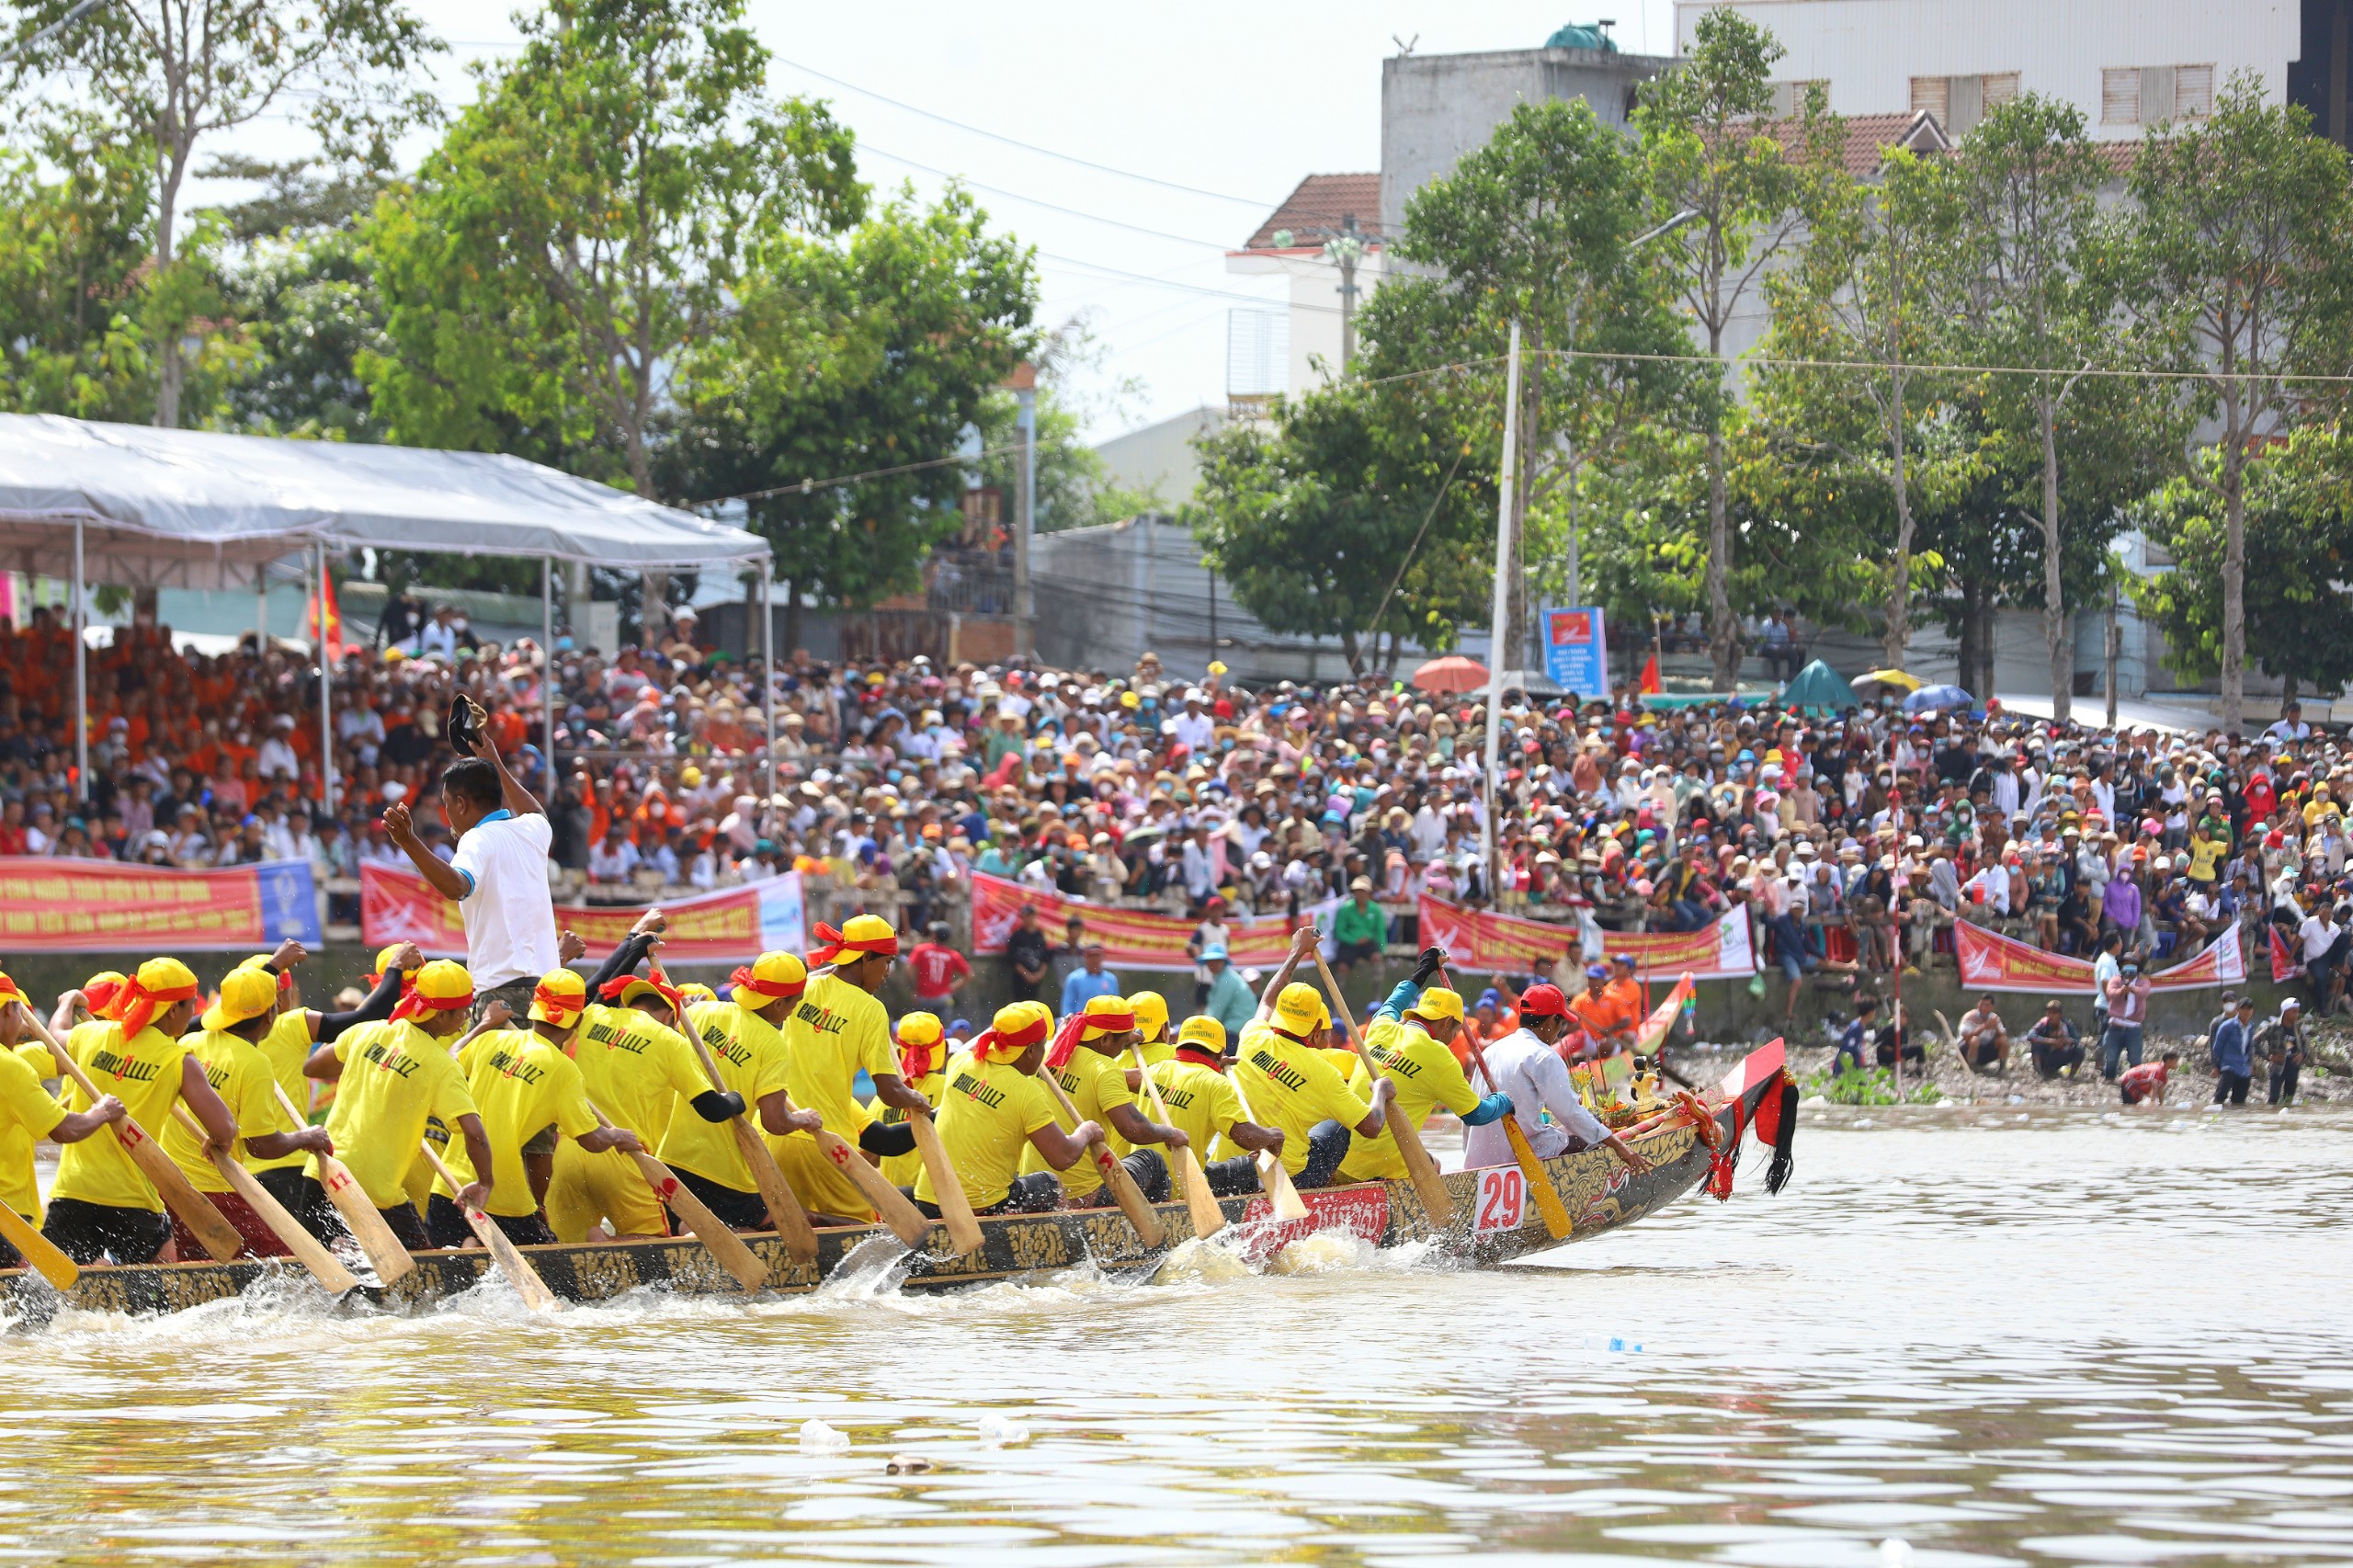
(1257, 355)
(2151, 95)
(1959, 102)
(1789, 97)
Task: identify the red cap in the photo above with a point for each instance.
(1543, 1002)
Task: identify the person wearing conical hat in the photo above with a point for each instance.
(521, 1081)
(29, 1113)
(1288, 1078)
(837, 1029)
(1090, 1061)
(225, 1046)
(397, 1078)
(1202, 1105)
(994, 1111)
(102, 1204)
(744, 1035)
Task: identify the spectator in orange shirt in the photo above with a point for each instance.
(1608, 1019)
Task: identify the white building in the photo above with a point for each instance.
(1325, 223)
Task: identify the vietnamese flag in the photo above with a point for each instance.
(1649, 681)
(332, 639)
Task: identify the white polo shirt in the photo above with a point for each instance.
(509, 916)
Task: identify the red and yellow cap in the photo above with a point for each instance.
(560, 998)
(159, 983)
(771, 977)
(1017, 1026)
(442, 986)
(862, 936)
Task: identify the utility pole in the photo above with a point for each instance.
(1024, 382)
(2112, 645)
(1503, 486)
(1344, 250)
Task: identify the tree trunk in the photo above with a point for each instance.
(171, 372)
(1970, 653)
(792, 621)
(2233, 574)
(1899, 587)
(1981, 684)
(2057, 642)
(1723, 630)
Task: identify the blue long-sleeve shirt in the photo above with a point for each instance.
(1079, 988)
(2230, 1048)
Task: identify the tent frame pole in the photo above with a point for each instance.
(79, 615)
(767, 680)
(326, 688)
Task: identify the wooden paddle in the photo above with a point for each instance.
(504, 1253)
(1123, 1185)
(195, 1211)
(906, 1222)
(308, 1250)
(1532, 1169)
(947, 1186)
(1280, 1194)
(1199, 1201)
(790, 1219)
(723, 1244)
(1419, 1168)
(38, 1250)
(360, 1216)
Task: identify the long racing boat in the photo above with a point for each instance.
(1495, 1220)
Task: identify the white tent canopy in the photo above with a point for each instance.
(195, 509)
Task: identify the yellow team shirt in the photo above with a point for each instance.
(1096, 1085)
(900, 1170)
(1158, 1051)
(635, 1068)
(395, 1079)
(985, 1118)
(1427, 1076)
(749, 1052)
(28, 1115)
(2204, 856)
(240, 1074)
(835, 1029)
(144, 1074)
(1294, 1088)
(286, 1047)
(520, 1082)
(1201, 1102)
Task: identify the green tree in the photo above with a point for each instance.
(2241, 279)
(1355, 516)
(871, 354)
(164, 76)
(584, 226)
(72, 252)
(2298, 540)
(1074, 486)
(1856, 335)
(1709, 149)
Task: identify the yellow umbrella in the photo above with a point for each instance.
(1906, 684)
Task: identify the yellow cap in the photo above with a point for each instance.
(560, 997)
(696, 991)
(1299, 1009)
(774, 976)
(245, 994)
(1205, 1033)
(1107, 1015)
(158, 975)
(1017, 1026)
(1151, 1009)
(921, 1029)
(636, 989)
(1438, 1003)
(384, 959)
(444, 980)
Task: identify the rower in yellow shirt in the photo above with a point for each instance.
(996, 1110)
(923, 1065)
(1288, 1078)
(838, 1030)
(1202, 1105)
(226, 1045)
(392, 1078)
(1153, 1037)
(1089, 1059)
(1409, 1039)
(742, 1035)
(28, 1114)
(522, 1081)
(102, 1204)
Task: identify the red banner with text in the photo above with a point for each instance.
(52, 905)
(1131, 939)
(1502, 944)
(726, 925)
(1990, 961)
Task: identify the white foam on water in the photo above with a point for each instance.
(817, 1437)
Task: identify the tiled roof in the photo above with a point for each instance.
(1869, 136)
(1319, 205)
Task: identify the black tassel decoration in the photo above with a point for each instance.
(1785, 1131)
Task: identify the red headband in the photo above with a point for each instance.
(141, 1005)
(102, 996)
(915, 1061)
(611, 990)
(415, 1003)
(1203, 1054)
(990, 1041)
(554, 1001)
(832, 944)
(1075, 1029)
(774, 990)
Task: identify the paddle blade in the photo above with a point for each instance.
(1199, 1201)
(361, 1217)
(891, 1205)
(955, 1208)
(725, 1245)
(791, 1220)
(1284, 1197)
(38, 1250)
(1540, 1186)
(325, 1267)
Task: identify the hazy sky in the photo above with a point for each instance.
(1236, 99)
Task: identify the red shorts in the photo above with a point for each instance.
(260, 1240)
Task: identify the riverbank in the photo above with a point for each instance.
(2191, 1083)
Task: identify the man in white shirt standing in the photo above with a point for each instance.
(499, 877)
(1531, 1074)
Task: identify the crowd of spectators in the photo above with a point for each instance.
(1850, 840)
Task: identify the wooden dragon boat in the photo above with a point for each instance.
(1495, 1221)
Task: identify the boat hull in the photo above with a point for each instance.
(1493, 1222)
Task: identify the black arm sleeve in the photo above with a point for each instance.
(378, 1006)
(887, 1138)
(625, 960)
(718, 1105)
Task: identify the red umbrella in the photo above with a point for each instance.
(1452, 672)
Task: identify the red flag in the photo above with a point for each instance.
(1649, 682)
(333, 638)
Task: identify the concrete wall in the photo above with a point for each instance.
(1436, 108)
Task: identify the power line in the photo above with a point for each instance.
(1039, 201)
(1025, 146)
